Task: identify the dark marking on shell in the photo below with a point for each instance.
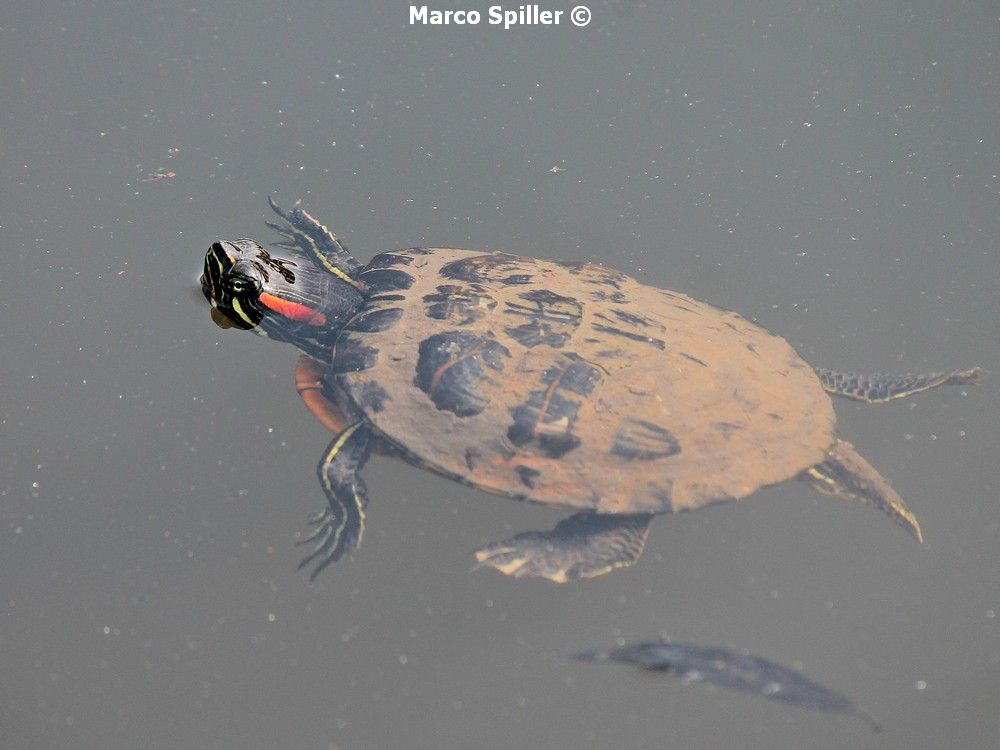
(552, 318)
(536, 334)
(726, 428)
(668, 294)
(375, 321)
(579, 378)
(459, 305)
(446, 292)
(550, 303)
(527, 476)
(693, 359)
(453, 369)
(547, 418)
(676, 300)
(385, 260)
(607, 277)
(351, 355)
(610, 353)
(599, 295)
(632, 319)
(560, 411)
(484, 269)
(639, 440)
(372, 397)
(471, 458)
(659, 344)
(385, 280)
(664, 493)
(517, 279)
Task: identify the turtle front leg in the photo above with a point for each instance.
(585, 545)
(340, 525)
(303, 231)
(846, 474)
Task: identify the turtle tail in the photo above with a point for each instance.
(879, 388)
(846, 474)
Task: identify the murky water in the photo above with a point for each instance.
(828, 171)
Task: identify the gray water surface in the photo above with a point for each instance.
(829, 171)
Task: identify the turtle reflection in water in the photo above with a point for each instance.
(750, 674)
(567, 384)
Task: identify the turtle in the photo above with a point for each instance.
(563, 383)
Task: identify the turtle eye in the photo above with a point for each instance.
(239, 286)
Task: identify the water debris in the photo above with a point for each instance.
(159, 175)
(751, 674)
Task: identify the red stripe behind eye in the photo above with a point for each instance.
(292, 310)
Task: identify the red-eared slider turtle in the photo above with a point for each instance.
(568, 384)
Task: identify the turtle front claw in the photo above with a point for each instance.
(333, 540)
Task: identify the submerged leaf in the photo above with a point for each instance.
(750, 674)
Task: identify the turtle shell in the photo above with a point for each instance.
(575, 385)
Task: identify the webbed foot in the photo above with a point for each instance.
(879, 388)
(846, 474)
(585, 545)
(334, 537)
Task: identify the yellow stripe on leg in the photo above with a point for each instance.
(319, 256)
(331, 455)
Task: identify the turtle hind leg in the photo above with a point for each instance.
(584, 545)
(878, 388)
(846, 474)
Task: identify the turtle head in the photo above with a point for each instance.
(285, 298)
